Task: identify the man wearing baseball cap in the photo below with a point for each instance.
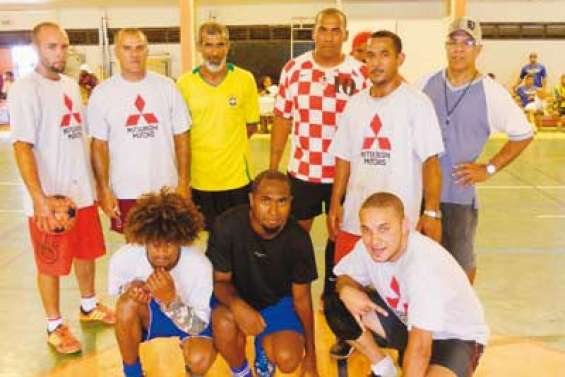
(469, 106)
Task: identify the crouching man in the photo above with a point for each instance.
(422, 303)
(165, 284)
(263, 266)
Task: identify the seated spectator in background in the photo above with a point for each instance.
(399, 289)
(533, 68)
(531, 100)
(528, 91)
(163, 281)
(359, 45)
(5, 84)
(86, 81)
(266, 86)
(559, 96)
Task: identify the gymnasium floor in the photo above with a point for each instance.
(520, 277)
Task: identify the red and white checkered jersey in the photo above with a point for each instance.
(314, 98)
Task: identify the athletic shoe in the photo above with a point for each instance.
(263, 367)
(340, 350)
(100, 314)
(63, 340)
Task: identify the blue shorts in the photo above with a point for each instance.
(280, 316)
(161, 326)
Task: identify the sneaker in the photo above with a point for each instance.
(263, 367)
(63, 340)
(100, 314)
(340, 350)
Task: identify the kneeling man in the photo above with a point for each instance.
(263, 266)
(422, 303)
(165, 283)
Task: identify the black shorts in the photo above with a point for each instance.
(309, 199)
(459, 225)
(214, 203)
(459, 356)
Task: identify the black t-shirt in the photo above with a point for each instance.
(263, 271)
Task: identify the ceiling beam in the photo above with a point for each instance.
(187, 47)
(456, 8)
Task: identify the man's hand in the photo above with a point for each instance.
(430, 226)
(162, 286)
(139, 291)
(43, 213)
(335, 218)
(249, 320)
(109, 204)
(358, 303)
(470, 174)
(309, 368)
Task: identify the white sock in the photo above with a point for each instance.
(384, 368)
(52, 324)
(88, 304)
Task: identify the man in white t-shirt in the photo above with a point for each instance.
(164, 282)
(46, 125)
(388, 139)
(139, 126)
(420, 301)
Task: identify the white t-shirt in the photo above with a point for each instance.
(192, 275)
(425, 287)
(48, 114)
(386, 140)
(139, 121)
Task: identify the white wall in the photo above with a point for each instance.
(420, 24)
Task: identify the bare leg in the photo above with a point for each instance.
(49, 292)
(85, 272)
(199, 354)
(368, 347)
(131, 319)
(231, 343)
(285, 349)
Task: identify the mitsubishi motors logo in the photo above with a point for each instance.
(133, 120)
(383, 142)
(137, 128)
(394, 300)
(70, 115)
(380, 156)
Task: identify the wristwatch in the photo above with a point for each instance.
(491, 169)
(432, 213)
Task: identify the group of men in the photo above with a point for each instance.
(383, 159)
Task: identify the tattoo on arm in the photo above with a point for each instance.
(184, 317)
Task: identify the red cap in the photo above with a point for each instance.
(360, 38)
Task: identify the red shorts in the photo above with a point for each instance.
(344, 243)
(54, 253)
(125, 205)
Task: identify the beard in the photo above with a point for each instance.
(214, 67)
(272, 230)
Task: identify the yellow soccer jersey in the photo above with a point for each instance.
(218, 137)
